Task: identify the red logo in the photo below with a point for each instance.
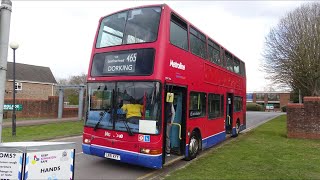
(140, 137)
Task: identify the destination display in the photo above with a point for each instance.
(129, 62)
(122, 63)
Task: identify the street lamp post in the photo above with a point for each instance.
(14, 46)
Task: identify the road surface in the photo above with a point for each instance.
(91, 167)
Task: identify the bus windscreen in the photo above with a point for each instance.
(115, 105)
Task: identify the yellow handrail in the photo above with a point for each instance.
(179, 129)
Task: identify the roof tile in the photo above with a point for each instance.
(26, 72)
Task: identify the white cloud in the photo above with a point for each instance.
(59, 34)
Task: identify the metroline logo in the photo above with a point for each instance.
(177, 65)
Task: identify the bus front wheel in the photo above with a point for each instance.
(194, 146)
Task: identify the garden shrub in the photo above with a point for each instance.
(254, 107)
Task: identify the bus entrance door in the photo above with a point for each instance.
(175, 135)
(178, 127)
(229, 113)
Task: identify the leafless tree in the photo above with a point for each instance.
(79, 79)
(71, 95)
(73, 80)
(292, 50)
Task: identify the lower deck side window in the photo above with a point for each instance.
(237, 104)
(197, 105)
(215, 106)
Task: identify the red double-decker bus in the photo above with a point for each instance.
(145, 59)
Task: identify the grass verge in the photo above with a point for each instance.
(263, 153)
(41, 132)
(23, 119)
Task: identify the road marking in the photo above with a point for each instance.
(147, 175)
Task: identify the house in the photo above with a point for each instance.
(32, 82)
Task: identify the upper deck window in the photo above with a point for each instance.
(214, 52)
(236, 65)
(178, 32)
(242, 69)
(229, 61)
(197, 43)
(129, 27)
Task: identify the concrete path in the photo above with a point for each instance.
(38, 122)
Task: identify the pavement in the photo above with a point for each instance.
(39, 121)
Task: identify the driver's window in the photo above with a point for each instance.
(101, 97)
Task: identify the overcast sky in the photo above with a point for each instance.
(60, 34)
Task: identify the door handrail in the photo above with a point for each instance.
(177, 124)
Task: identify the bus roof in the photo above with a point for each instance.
(189, 24)
(136, 7)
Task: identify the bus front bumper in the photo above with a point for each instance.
(146, 160)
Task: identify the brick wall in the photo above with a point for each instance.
(284, 99)
(70, 112)
(303, 120)
(30, 90)
(32, 108)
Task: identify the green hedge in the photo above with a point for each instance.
(254, 107)
(284, 108)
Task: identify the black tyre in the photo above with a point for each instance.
(194, 146)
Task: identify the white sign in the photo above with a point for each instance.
(147, 126)
(57, 164)
(10, 165)
(270, 107)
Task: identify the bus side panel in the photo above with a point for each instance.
(210, 141)
(214, 139)
(244, 125)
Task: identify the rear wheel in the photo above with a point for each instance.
(194, 146)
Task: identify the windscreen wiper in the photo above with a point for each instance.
(102, 114)
(127, 126)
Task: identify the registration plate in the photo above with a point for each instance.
(112, 156)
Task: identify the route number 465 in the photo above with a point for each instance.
(132, 57)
